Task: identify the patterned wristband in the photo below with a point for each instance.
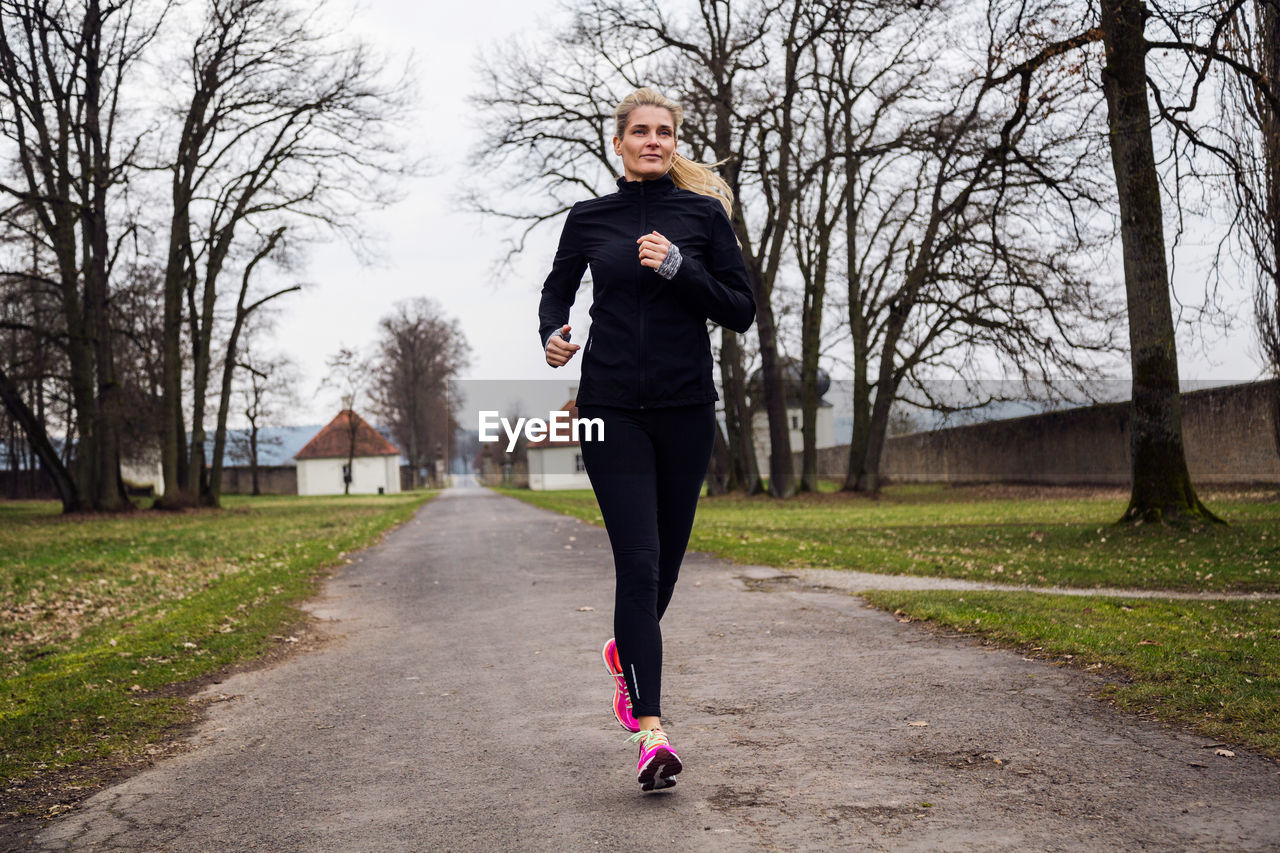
(671, 263)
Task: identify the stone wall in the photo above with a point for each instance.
(1230, 435)
(272, 480)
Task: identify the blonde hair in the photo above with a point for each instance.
(700, 178)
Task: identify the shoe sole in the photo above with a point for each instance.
(660, 772)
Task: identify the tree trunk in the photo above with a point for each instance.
(861, 429)
(84, 454)
(1161, 488)
(201, 369)
(253, 457)
(888, 379)
(176, 281)
(351, 453)
(744, 474)
(782, 478)
(815, 292)
(720, 469)
(858, 325)
(877, 430)
(109, 493)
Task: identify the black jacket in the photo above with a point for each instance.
(648, 345)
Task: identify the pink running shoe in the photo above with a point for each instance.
(621, 698)
(658, 763)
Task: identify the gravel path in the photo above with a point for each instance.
(460, 704)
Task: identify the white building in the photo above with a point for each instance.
(557, 464)
(375, 468)
(824, 432)
(142, 471)
(824, 428)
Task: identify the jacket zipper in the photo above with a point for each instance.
(644, 229)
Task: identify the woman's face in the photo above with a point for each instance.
(648, 145)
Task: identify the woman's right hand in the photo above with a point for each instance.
(559, 351)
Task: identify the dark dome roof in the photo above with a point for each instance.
(790, 369)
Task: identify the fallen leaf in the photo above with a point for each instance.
(1148, 643)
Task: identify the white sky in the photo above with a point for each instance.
(430, 247)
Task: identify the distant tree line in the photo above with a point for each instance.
(155, 158)
(926, 190)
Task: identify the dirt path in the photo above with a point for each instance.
(462, 705)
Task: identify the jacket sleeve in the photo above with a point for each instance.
(561, 286)
(719, 288)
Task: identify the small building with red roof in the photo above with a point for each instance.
(557, 463)
(348, 438)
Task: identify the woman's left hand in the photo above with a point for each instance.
(653, 250)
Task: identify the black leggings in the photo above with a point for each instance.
(647, 474)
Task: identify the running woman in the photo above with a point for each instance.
(664, 260)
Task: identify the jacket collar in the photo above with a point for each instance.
(657, 186)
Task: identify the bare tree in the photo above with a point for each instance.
(1161, 485)
(419, 351)
(548, 106)
(284, 122)
(243, 312)
(716, 62)
(947, 184)
(267, 391)
(33, 370)
(1161, 482)
(753, 124)
(62, 69)
(349, 375)
(1251, 117)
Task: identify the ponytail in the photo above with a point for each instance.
(687, 174)
(702, 178)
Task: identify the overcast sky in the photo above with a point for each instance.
(429, 247)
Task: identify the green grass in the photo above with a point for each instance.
(1006, 535)
(105, 618)
(1212, 665)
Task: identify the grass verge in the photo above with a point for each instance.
(1212, 665)
(1040, 536)
(110, 622)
